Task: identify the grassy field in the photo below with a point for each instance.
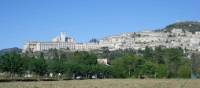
(107, 83)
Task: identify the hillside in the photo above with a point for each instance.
(8, 50)
(190, 26)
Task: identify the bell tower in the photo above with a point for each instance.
(62, 37)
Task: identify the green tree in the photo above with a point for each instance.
(184, 71)
(12, 63)
(57, 66)
(124, 67)
(38, 66)
(161, 71)
(195, 57)
(84, 58)
(148, 53)
(158, 56)
(105, 52)
(148, 69)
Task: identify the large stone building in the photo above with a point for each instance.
(134, 40)
(59, 42)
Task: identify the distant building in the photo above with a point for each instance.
(102, 61)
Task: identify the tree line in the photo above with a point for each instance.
(148, 63)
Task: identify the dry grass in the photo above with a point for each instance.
(107, 83)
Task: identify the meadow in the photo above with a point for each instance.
(107, 83)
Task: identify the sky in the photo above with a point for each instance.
(24, 20)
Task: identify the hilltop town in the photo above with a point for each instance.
(173, 36)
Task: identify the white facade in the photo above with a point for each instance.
(102, 61)
(59, 42)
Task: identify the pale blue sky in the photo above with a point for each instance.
(23, 20)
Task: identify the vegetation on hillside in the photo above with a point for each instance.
(148, 63)
(191, 26)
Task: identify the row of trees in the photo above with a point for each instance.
(148, 63)
(152, 63)
(79, 64)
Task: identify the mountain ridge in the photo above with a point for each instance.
(10, 50)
